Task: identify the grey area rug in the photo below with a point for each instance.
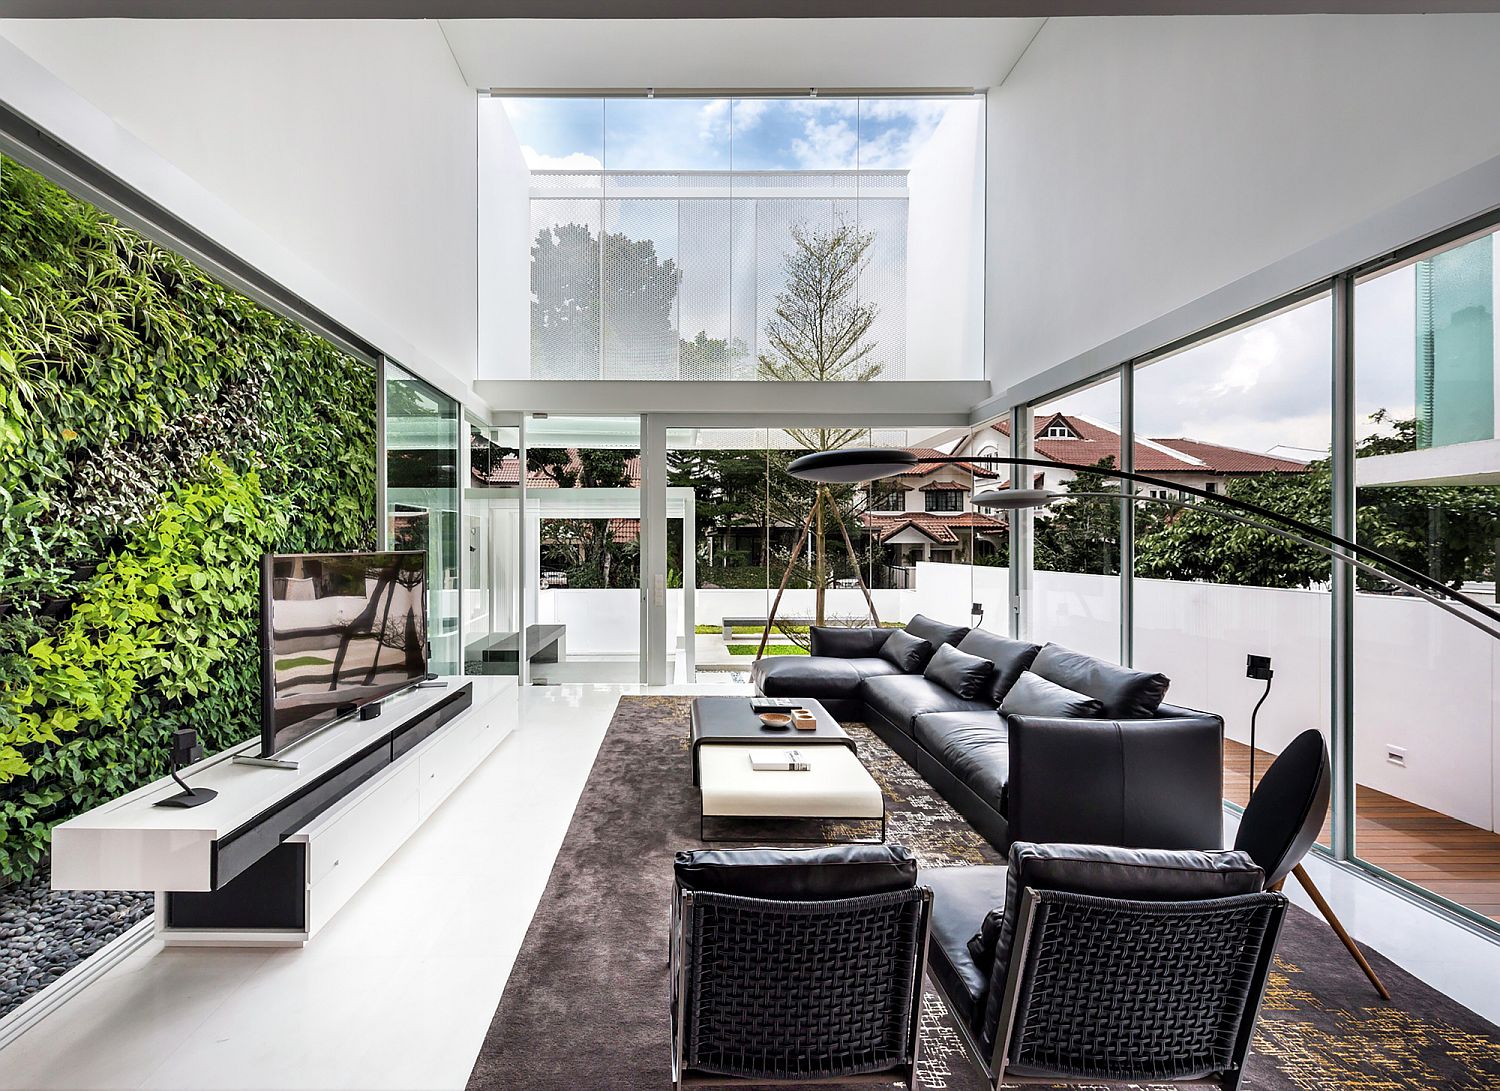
(586, 1003)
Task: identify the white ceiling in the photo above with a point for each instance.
(737, 53)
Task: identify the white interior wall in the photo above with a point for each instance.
(1136, 164)
(350, 142)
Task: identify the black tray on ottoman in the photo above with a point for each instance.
(732, 720)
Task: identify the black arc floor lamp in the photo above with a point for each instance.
(857, 464)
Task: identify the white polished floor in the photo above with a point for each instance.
(398, 990)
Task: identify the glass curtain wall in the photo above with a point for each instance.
(583, 527)
(883, 552)
(1075, 543)
(1411, 455)
(1427, 470)
(1249, 414)
(422, 428)
(674, 238)
(492, 551)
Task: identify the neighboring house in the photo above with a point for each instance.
(1074, 438)
(926, 514)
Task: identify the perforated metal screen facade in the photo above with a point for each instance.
(673, 275)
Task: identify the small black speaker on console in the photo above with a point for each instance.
(185, 751)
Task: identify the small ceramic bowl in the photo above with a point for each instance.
(776, 721)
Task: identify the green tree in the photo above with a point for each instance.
(818, 331)
(1449, 532)
(1081, 534)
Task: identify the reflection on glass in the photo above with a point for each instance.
(344, 630)
(1250, 415)
(422, 457)
(1427, 803)
(492, 547)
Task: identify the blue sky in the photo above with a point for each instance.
(725, 134)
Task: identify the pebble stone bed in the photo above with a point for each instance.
(44, 933)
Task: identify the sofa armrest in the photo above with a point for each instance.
(1156, 783)
(842, 643)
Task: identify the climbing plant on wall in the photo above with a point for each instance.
(158, 432)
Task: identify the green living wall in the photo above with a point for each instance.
(158, 432)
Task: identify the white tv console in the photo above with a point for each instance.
(280, 851)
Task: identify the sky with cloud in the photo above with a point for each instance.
(727, 134)
(1269, 386)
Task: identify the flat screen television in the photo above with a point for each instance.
(338, 630)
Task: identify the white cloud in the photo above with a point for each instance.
(535, 160)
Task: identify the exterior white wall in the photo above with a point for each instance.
(945, 253)
(505, 252)
(350, 142)
(1136, 164)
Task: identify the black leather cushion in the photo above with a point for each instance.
(798, 875)
(960, 896)
(899, 698)
(973, 746)
(908, 652)
(1143, 874)
(1033, 695)
(847, 643)
(959, 672)
(814, 676)
(874, 667)
(1010, 657)
(1288, 806)
(1125, 694)
(936, 633)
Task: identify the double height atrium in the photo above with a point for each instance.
(600, 548)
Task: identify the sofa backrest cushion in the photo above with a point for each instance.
(800, 875)
(1010, 657)
(935, 633)
(1153, 875)
(1033, 695)
(1125, 694)
(842, 643)
(908, 652)
(961, 674)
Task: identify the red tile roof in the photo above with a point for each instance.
(1184, 456)
(923, 468)
(507, 471)
(940, 528)
(1232, 460)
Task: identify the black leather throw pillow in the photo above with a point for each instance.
(906, 651)
(1033, 695)
(1126, 694)
(959, 673)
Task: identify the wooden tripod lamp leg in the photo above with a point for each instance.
(1338, 929)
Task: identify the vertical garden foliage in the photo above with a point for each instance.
(158, 432)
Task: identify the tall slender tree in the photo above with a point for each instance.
(819, 332)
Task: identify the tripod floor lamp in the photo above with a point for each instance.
(856, 464)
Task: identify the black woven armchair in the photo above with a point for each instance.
(1087, 964)
(797, 965)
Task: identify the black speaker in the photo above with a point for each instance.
(185, 751)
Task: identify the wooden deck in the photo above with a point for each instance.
(1449, 857)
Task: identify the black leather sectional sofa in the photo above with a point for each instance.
(1029, 743)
